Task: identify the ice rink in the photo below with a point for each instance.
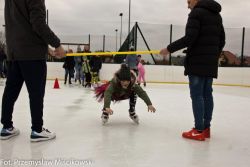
(82, 140)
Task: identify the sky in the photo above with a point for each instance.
(97, 16)
(71, 19)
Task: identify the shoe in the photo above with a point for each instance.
(42, 136)
(9, 133)
(105, 118)
(194, 134)
(207, 133)
(134, 117)
(144, 84)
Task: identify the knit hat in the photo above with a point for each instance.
(124, 73)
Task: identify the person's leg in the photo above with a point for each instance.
(12, 89)
(71, 75)
(79, 76)
(209, 103)
(94, 78)
(139, 78)
(98, 76)
(66, 75)
(132, 103)
(143, 78)
(196, 85)
(136, 71)
(35, 81)
(88, 80)
(77, 73)
(105, 116)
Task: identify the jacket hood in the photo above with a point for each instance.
(210, 5)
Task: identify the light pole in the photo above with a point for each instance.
(116, 39)
(129, 13)
(121, 14)
(47, 17)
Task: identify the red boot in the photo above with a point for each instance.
(194, 134)
(207, 133)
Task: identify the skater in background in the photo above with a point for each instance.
(78, 66)
(141, 71)
(87, 73)
(69, 65)
(95, 65)
(132, 60)
(122, 86)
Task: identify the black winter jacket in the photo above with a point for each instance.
(95, 63)
(69, 62)
(204, 39)
(27, 34)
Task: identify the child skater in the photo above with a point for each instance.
(122, 86)
(141, 71)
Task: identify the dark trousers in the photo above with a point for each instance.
(132, 102)
(33, 73)
(88, 77)
(70, 73)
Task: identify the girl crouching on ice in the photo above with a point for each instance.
(122, 86)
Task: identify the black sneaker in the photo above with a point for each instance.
(9, 133)
(42, 136)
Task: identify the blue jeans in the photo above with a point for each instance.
(202, 100)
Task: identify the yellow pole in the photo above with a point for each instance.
(113, 53)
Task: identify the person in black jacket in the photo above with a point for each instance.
(27, 38)
(95, 65)
(204, 39)
(69, 65)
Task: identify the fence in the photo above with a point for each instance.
(236, 51)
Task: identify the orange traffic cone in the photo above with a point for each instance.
(56, 84)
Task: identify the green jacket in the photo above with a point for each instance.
(115, 92)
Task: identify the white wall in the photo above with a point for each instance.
(227, 75)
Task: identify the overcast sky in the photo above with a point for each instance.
(102, 16)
